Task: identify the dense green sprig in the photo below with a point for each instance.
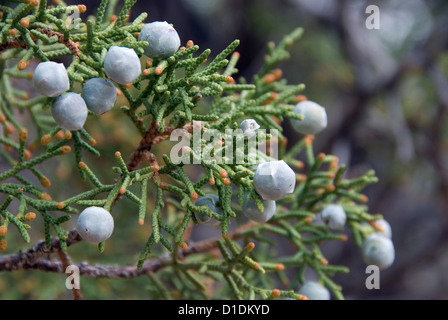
(167, 96)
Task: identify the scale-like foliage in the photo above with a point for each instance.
(165, 97)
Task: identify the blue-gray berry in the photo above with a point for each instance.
(387, 229)
(51, 79)
(314, 291)
(210, 200)
(122, 64)
(162, 38)
(99, 94)
(378, 250)
(95, 224)
(315, 117)
(249, 128)
(382, 224)
(251, 211)
(69, 111)
(274, 180)
(334, 216)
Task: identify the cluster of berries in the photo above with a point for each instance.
(121, 65)
(378, 248)
(70, 109)
(275, 179)
(272, 180)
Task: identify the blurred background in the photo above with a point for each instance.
(386, 95)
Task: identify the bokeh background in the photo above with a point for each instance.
(386, 95)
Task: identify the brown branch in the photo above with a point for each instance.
(38, 258)
(144, 146)
(151, 137)
(97, 271)
(12, 44)
(208, 245)
(19, 260)
(70, 44)
(66, 262)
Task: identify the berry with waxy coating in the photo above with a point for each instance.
(249, 128)
(95, 224)
(210, 200)
(122, 64)
(380, 227)
(387, 229)
(69, 111)
(334, 216)
(274, 180)
(314, 291)
(162, 38)
(250, 210)
(315, 117)
(51, 79)
(378, 250)
(99, 94)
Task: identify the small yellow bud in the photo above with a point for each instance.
(275, 293)
(158, 71)
(3, 230)
(45, 196)
(22, 65)
(46, 139)
(30, 216)
(25, 22)
(60, 135)
(184, 246)
(45, 182)
(3, 245)
(27, 154)
(65, 150)
(280, 267)
(23, 135)
(82, 8)
(223, 173)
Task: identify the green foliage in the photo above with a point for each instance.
(169, 94)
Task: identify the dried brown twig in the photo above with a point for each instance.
(38, 258)
(70, 44)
